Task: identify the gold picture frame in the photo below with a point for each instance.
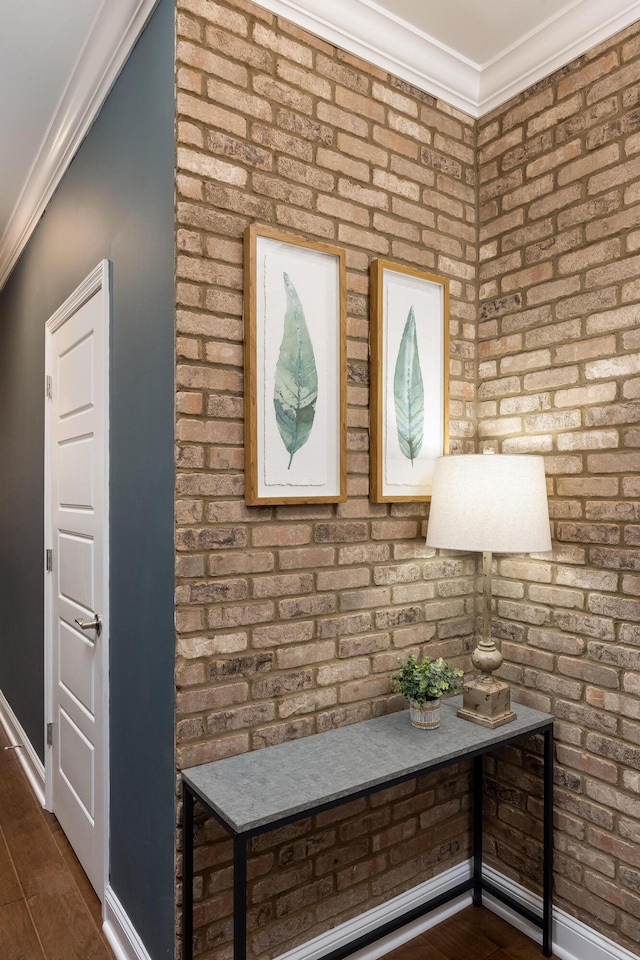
(409, 380)
(295, 369)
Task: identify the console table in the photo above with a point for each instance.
(256, 792)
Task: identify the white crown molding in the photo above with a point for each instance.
(363, 28)
(556, 42)
(27, 756)
(115, 29)
(360, 27)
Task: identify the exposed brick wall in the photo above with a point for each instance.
(307, 878)
(559, 374)
(290, 619)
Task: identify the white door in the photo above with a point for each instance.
(76, 581)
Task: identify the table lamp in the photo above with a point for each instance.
(494, 503)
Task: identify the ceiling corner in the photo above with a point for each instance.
(113, 34)
(363, 28)
(558, 41)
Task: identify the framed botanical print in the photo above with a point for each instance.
(409, 380)
(295, 369)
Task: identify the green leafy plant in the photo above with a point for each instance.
(296, 383)
(408, 392)
(427, 680)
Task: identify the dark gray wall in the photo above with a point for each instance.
(115, 202)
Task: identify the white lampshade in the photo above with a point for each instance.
(492, 502)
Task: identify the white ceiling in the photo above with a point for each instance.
(59, 59)
(39, 45)
(476, 29)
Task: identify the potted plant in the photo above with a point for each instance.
(423, 684)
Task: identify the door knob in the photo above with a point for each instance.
(95, 624)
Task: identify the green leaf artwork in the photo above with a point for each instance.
(296, 381)
(408, 392)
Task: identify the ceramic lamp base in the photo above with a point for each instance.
(486, 701)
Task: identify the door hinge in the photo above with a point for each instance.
(49, 387)
(49, 734)
(49, 560)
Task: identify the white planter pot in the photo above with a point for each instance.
(427, 717)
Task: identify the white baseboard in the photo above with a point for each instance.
(358, 926)
(572, 939)
(119, 931)
(27, 756)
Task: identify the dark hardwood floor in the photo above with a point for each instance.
(473, 934)
(48, 909)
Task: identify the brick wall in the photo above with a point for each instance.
(559, 374)
(290, 619)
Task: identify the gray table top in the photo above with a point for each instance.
(262, 788)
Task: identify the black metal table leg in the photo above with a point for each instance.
(187, 873)
(239, 898)
(547, 856)
(201, 785)
(477, 831)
